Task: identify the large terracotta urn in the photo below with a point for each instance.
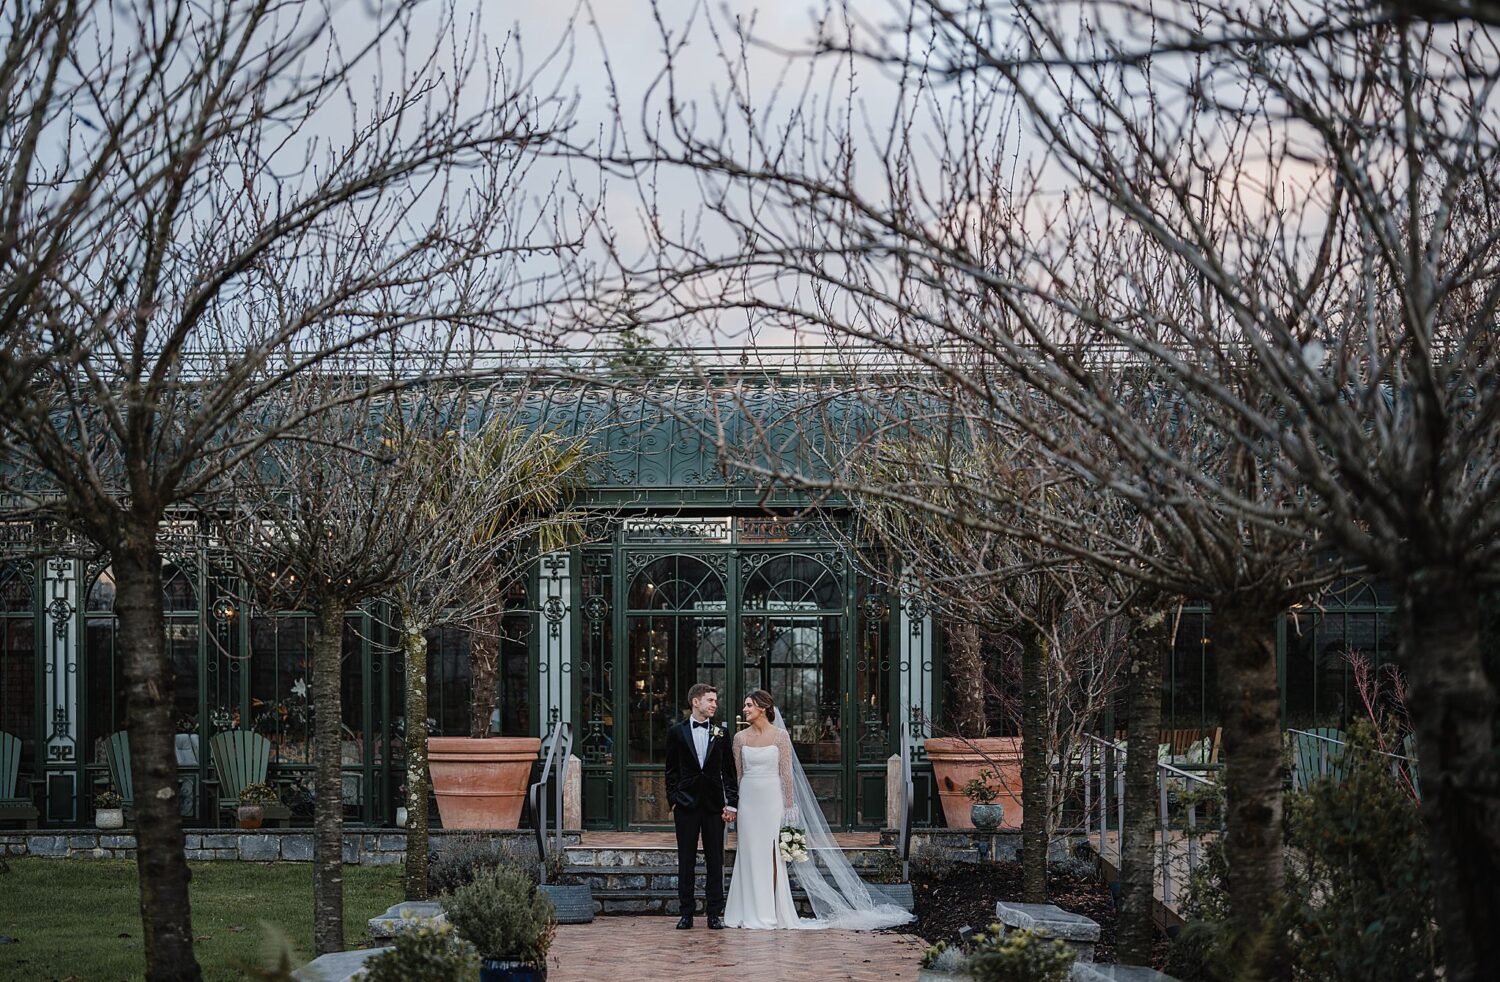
(955, 762)
(481, 784)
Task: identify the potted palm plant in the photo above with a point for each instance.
(109, 810)
(480, 780)
(252, 807)
(502, 914)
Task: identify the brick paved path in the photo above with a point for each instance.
(625, 949)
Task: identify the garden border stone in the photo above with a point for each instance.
(1078, 932)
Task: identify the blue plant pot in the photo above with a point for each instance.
(496, 971)
(987, 817)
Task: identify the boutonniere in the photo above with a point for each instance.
(716, 731)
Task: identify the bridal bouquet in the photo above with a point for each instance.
(793, 844)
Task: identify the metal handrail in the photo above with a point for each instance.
(907, 805)
(1164, 774)
(560, 737)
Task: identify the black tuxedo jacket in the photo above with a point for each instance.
(711, 786)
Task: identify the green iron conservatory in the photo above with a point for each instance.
(696, 574)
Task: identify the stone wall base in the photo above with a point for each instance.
(372, 848)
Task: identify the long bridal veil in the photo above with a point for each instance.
(839, 898)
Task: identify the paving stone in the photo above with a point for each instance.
(201, 854)
(83, 842)
(351, 852)
(192, 840)
(404, 913)
(630, 948)
(117, 841)
(383, 859)
(260, 848)
(392, 843)
(297, 848)
(221, 840)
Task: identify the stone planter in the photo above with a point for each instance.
(250, 816)
(109, 818)
(572, 903)
(986, 816)
(401, 817)
(481, 784)
(956, 762)
(496, 971)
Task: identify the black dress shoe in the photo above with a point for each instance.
(686, 922)
(715, 923)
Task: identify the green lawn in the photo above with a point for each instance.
(80, 920)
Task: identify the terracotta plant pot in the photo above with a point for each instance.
(481, 784)
(250, 816)
(956, 762)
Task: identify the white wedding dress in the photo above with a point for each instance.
(775, 792)
(760, 895)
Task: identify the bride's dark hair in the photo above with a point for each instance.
(763, 699)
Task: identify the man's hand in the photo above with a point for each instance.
(729, 814)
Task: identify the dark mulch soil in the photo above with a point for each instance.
(966, 896)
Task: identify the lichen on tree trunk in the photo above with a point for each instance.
(1244, 629)
(1453, 703)
(328, 814)
(1138, 837)
(414, 643)
(166, 919)
(1033, 769)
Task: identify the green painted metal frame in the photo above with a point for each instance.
(854, 776)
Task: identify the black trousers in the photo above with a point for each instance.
(693, 823)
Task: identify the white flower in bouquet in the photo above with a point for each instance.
(793, 845)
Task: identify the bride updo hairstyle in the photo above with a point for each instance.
(763, 699)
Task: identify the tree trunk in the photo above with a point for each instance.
(1138, 837)
(1453, 707)
(414, 642)
(1033, 771)
(1244, 631)
(328, 815)
(166, 921)
(484, 656)
(966, 680)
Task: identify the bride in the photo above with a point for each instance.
(774, 793)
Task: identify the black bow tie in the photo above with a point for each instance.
(697, 724)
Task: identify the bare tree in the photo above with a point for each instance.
(198, 208)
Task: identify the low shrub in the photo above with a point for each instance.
(425, 952)
(931, 862)
(504, 915)
(1018, 956)
(465, 857)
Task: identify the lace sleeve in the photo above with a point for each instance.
(739, 756)
(784, 742)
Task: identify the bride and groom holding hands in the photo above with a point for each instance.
(753, 779)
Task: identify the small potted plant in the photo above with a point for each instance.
(984, 813)
(253, 801)
(109, 810)
(572, 898)
(503, 915)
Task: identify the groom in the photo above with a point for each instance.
(704, 792)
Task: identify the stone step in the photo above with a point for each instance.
(863, 857)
